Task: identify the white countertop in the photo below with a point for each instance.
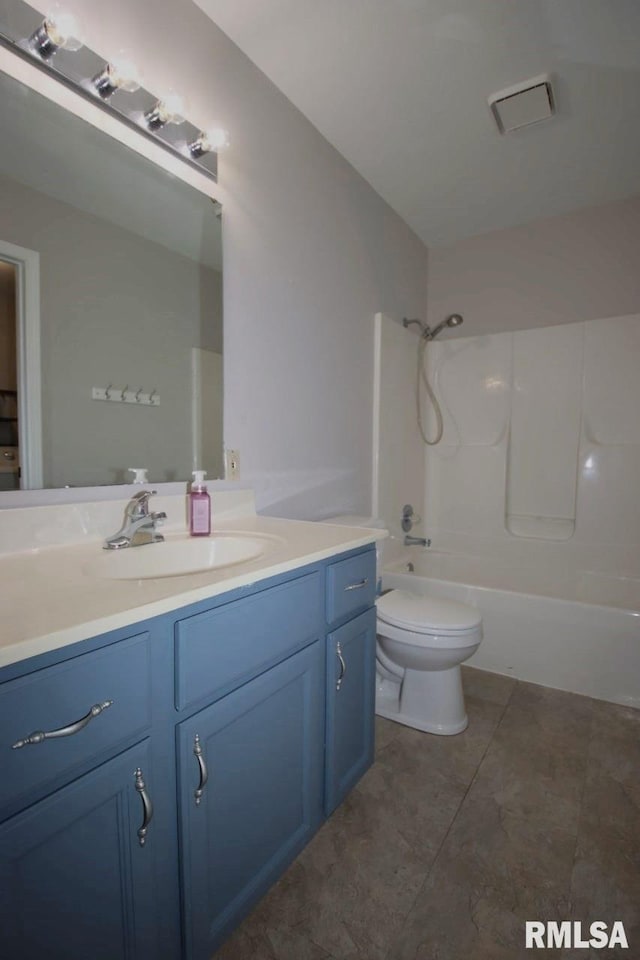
(50, 597)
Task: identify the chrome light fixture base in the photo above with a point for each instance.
(32, 37)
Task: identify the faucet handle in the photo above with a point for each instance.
(409, 518)
(138, 506)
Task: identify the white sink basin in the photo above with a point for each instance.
(178, 556)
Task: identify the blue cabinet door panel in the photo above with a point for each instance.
(351, 653)
(263, 750)
(74, 882)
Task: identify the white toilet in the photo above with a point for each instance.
(421, 643)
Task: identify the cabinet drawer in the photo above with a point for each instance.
(54, 722)
(351, 586)
(218, 650)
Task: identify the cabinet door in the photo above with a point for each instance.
(251, 768)
(75, 883)
(351, 660)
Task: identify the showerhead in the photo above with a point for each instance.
(426, 333)
(453, 320)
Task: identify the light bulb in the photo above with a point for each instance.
(59, 31)
(120, 74)
(125, 73)
(64, 29)
(168, 110)
(215, 139)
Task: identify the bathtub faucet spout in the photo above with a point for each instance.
(416, 541)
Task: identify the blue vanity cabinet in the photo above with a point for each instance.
(251, 777)
(188, 760)
(351, 658)
(75, 881)
(88, 852)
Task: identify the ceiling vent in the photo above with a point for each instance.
(523, 103)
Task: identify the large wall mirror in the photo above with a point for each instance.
(127, 261)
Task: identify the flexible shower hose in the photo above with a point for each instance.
(422, 378)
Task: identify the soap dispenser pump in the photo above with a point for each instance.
(139, 475)
(199, 506)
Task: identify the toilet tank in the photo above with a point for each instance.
(358, 520)
(354, 520)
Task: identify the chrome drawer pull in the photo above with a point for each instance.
(147, 807)
(357, 586)
(343, 666)
(204, 776)
(40, 735)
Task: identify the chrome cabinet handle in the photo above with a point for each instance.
(204, 776)
(343, 666)
(40, 735)
(147, 807)
(357, 586)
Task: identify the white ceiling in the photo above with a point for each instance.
(400, 88)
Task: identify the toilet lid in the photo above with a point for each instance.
(411, 611)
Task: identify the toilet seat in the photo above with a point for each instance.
(426, 617)
(429, 641)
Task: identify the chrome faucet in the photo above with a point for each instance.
(416, 541)
(138, 526)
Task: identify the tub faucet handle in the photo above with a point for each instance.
(409, 517)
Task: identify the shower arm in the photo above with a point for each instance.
(454, 320)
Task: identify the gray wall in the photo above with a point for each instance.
(115, 308)
(311, 252)
(580, 266)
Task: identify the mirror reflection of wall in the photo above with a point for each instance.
(130, 292)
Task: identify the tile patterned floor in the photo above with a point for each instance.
(448, 844)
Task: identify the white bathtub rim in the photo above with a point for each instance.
(394, 569)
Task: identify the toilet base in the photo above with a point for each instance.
(432, 701)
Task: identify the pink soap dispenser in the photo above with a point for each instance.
(199, 506)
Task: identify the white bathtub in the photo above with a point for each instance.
(579, 633)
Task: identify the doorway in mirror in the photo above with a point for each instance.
(9, 445)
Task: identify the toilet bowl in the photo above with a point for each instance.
(421, 643)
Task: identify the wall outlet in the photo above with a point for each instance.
(232, 464)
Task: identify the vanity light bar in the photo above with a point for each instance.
(52, 43)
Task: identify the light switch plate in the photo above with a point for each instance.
(232, 464)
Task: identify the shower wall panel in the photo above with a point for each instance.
(398, 463)
(544, 432)
(540, 459)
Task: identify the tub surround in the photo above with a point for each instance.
(541, 448)
(52, 599)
